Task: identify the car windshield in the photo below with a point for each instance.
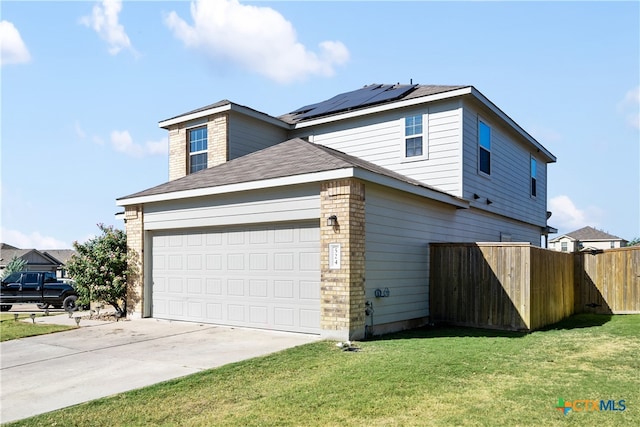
(12, 278)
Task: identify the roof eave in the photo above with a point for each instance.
(497, 111)
(349, 172)
(237, 187)
(230, 106)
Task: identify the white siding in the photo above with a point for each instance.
(273, 205)
(380, 139)
(398, 231)
(508, 186)
(247, 135)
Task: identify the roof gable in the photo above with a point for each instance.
(33, 257)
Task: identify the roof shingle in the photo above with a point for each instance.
(590, 233)
(293, 157)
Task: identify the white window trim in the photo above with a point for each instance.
(425, 139)
(190, 154)
(478, 147)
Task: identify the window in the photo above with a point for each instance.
(484, 148)
(30, 278)
(563, 246)
(613, 245)
(534, 183)
(197, 149)
(413, 136)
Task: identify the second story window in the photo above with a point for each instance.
(413, 136)
(563, 246)
(484, 147)
(197, 149)
(534, 182)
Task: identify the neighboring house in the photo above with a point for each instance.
(37, 260)
(586, 238)
(303, 221)
(62, 256)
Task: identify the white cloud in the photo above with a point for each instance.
(79, 131)
(568, 217)
(630, 107)
(256, 38)
(34, 240)
(12, 48)
(104, 21)
(123, 142)
(158, 147)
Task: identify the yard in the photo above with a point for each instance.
(435, 376)
(11, 329)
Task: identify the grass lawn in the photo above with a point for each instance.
(11, 330)
(437, 376)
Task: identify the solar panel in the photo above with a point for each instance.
(392, 92)
(367, 95)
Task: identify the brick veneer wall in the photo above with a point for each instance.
(342, 294)
(177, 153)
(217, 146)
(218, 143)
(135, 245)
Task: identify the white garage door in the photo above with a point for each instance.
(261, 277)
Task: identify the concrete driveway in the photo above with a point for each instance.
(48, 372)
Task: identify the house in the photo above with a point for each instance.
(319, 221)
(586, 238)
(37, 260)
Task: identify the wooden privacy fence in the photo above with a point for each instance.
(517, 286)
(608, 281)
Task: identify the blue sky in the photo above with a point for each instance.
(84, 85)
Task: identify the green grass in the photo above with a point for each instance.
(427, 377)
(11, 329)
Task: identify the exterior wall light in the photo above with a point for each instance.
(489, 202)
(332, 221)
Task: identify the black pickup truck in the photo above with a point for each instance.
(36, 287)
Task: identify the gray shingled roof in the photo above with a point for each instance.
(293, 157)
(590, 233)
(62, 255)
(291, 118)
(419, 91)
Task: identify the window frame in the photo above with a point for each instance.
(197, 153)
(482, 122)
(407, 137)
(564, 246)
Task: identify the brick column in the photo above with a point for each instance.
(135, 244)
(218, 140)
(342, 295)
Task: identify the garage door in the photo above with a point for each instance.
(261, 277)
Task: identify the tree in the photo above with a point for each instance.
(634, 242)
(16, 264)
(100, 269)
